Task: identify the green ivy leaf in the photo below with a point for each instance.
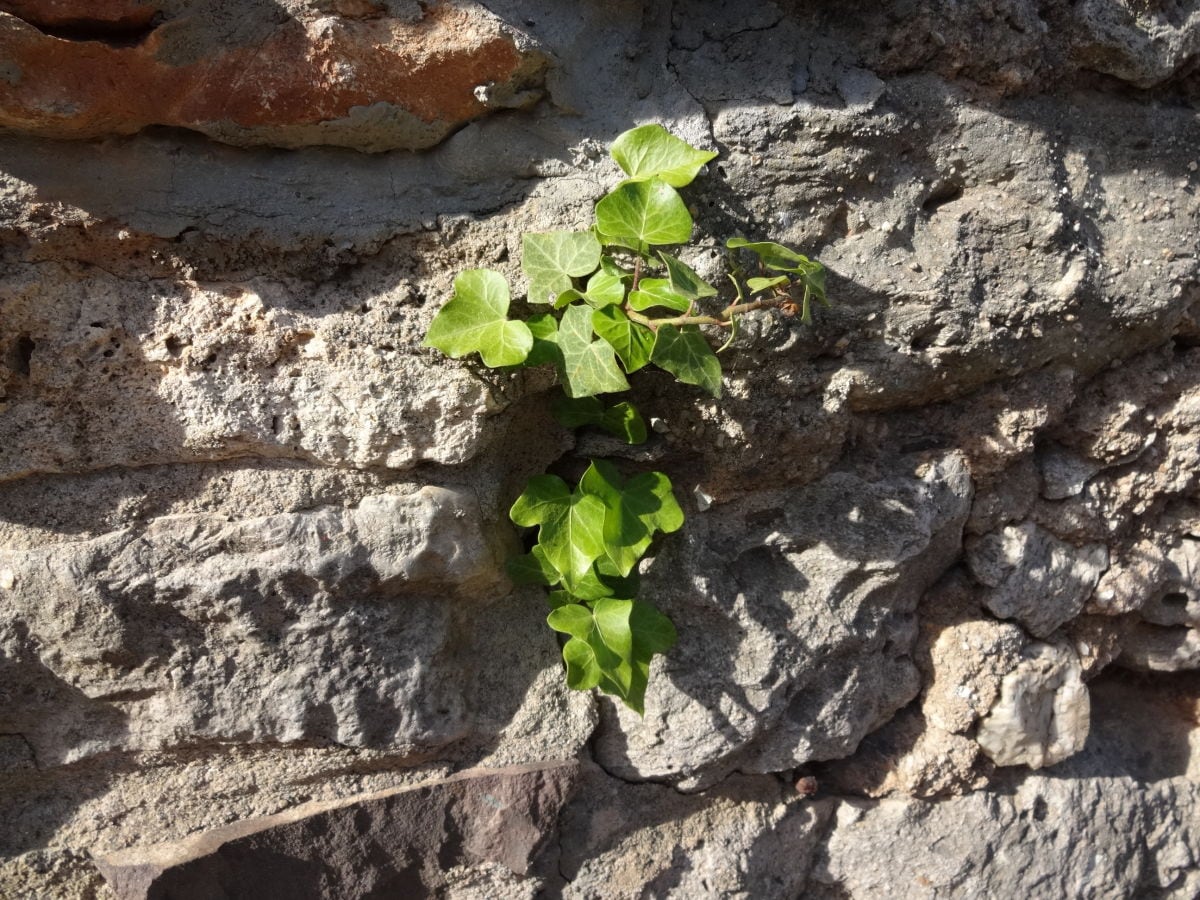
(773, 256)
(650, 150)
(589, 586)
(686, 354)
(631, 340)
(652, 631)
(571, 533)
(601, 645)
(584, 670)
(551, 259)
(763, 284)
(610, 266)
(634, 511)
(532, 568)
(588, 366)
(684, 279)
(603, 289)
(475, 320)
(814, 283)
(544, 328)
(783, 259)
(654, 292)
(622, 420)
(644, 212)
(559, 598)
(611, 646)
(572, 412)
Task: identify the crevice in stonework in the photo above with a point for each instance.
(112, 27)
(28, 746)
(118, 35)
(22, 355)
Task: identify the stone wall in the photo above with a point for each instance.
(939, 609)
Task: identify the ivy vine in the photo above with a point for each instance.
(615, 303)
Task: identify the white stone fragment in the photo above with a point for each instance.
(1043, 714)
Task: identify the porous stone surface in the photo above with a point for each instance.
(751, 690)
(1038, 580)
(936, 590)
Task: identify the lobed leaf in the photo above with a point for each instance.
(588, 366)
(631, 340)
(571, 532)
(684, 279)
(475, 320)
(544, 328)
(622, 420)
(532, 568)
(773, 256)
(644, 212)
(651, 151)
(551, 259)
(654, 292)
(634, 511)
(685, 353)
(764, 284)
(603, 289)
(611, 646)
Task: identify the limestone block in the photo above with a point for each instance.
(751, 836)
(1047, 838)
(1033, 577)
(341, 624)
(967, 663)
(799, 632)
(110, 375)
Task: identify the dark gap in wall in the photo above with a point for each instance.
(22, 355)
(946, 192)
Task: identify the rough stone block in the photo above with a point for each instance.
(395, 843)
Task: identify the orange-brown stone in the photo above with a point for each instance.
(371, 83)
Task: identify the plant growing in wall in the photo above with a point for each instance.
(616, 299)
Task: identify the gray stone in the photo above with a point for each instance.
(1049, 838)
(797, 634)
(1153, 648)
(1177, 600)
(352, 625)
(1033, 577)
(748, 837)
(1118, 819)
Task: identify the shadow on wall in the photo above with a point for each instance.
(1143, 726)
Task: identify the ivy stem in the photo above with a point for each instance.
(724, 318)
(637, 273)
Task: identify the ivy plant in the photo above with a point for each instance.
(609, 301)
